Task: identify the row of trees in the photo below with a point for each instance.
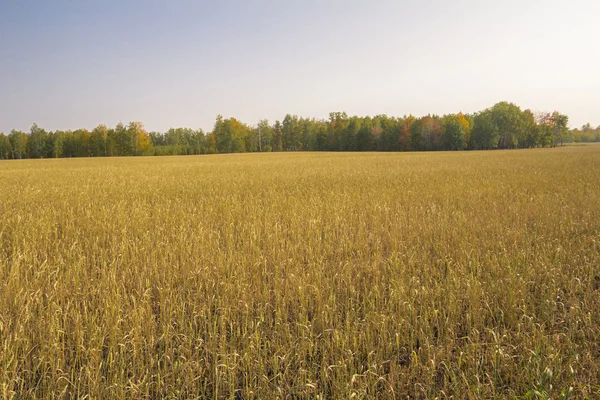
(503, 126)
(130, 140)
(586, 134)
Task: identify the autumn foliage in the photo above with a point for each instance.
(503, 126)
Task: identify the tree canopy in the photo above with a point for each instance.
(502, 126)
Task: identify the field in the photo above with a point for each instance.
(302, 275)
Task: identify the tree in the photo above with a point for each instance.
(561, 130)
(98, 141)
(510, 123)
(416, 135)
(364, 137)
(546, 129)
(338, 131)
(454, 135)
(198, 142)
(404, 141)
(288, 132)
(264, 134)
(222, 136)
(57, 144)
(376, 133)
(68, 144)
(531, 136)
(230, 135)
(212, 143)
(81, 143)
(277, 137)
(18, 142)
(466, 126)
(426, 134)
(291, 133)
(141, 144)
(37, 142)
(158, 139)
(5, 147)
(485, 134)
(390, 133)
(123, 143)
(352, 132)
(504, 125)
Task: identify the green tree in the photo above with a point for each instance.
(390, 133)
(354, 126)
(338, 131)
(485, 134)
(291, 130)
(69, 147)
(112, 143)
(81, 138)
(426, 134)
(57, 144)
(36, 145)
(230, 135)
(18, 143)
(199, 142)
(531, 136)
(141, 144)
(560, 124)
(546, 129)
(364, 137)
(5, 147)
(504, 125)
(223, 138)
(98, 141)
(508, 120)
(454, 135)
(123, 143)
(158, 139)
(264, 135)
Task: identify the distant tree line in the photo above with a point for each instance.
(586, 134)
(130, 140)
(503, 126)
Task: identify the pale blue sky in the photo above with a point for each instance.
(67, 64)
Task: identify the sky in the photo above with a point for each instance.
(68, 64)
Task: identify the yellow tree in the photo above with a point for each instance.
(141, 141)
(466, 125)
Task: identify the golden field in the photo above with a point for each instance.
(302, 275)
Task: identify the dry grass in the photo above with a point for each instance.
(465, 275)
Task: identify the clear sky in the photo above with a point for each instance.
(69, 64)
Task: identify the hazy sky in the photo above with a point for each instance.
(78, 63)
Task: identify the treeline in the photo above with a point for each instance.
(130, 140)
(503, 126)
(586, 134)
